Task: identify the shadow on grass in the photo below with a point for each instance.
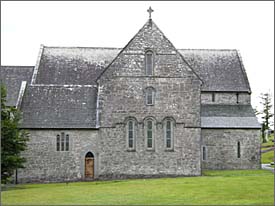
(12, 187)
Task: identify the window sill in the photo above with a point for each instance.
(131, 150)
(169, 150)
(150, 150)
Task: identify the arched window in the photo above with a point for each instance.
(62, 141)
(238, 150)
(150, 128)
(67, 142)
(131, 133)
(169, 133)
(150, 96)
(149, 64)
(58, 142)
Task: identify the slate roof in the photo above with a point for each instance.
(12, 77)
(73, 65)
(62, 106)
(220, 70)
(228, 116)
(48, 103)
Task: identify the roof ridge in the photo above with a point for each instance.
(210, 49)
(15, 66)
(79, 47)
(63, 85)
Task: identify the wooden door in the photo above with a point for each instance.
(89, 167)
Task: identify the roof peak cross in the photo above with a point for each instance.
(150, 11)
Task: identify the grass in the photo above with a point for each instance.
(267, 157)
(214, 187)
(268, 144)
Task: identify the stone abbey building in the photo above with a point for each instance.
(146, 110)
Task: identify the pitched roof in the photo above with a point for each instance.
(12, 77)
(150, 36)
(228, 116)
(48, 106)
(220, 70)
(73, 65)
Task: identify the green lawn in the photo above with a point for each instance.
(268, 144)
(215, 187)
(267, 157)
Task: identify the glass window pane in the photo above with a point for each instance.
(58, 143)
(130, 126)
(131, 143)
(67, 142)
(149, 125)
(149, 141)
(203, 153)
(130, 134)
(168, 143)
(149, 63)
(149, 134)
(239, 150)
(168, 134)
(149, 99)
(62, 141)
(168, 125)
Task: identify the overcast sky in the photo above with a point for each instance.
(246, 26)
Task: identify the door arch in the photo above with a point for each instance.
(89, 165)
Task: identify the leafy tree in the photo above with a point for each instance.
(266, 112)
(13, 140)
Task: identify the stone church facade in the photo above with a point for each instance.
(146, 110)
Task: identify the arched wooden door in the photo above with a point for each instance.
(89, 165)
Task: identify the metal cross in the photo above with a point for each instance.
(150, 10)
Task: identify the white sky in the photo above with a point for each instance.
(246, 26)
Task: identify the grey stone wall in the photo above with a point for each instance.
(225, 98)
(122, 95)
(45, 164)
(118, 162)
(221, 148)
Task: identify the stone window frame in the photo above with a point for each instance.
(146, 91)
(204, 153)
(173, 125)
(154, 129)
(62, 142)
(238, 149)
(135, 128)
(149, 51)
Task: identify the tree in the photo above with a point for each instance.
(13, 140)
(266, 112)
